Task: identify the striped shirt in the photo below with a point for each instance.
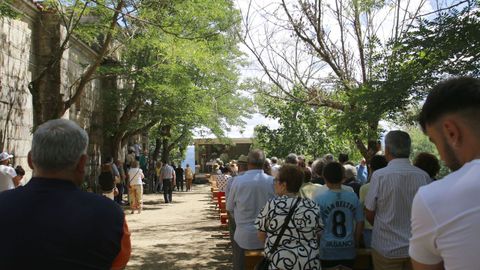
(391, 195)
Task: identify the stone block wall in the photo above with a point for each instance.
(17, 61)
(20, 61)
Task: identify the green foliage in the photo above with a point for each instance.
(421, 143)
(447, 45)
(6, 10)
(180, 74)
(392, 78)
(303, 130)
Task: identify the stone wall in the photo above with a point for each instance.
(20, 60)
(17, 61)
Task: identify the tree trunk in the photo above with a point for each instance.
(116, 145)
(156, 151)
(371, 148)
(45, 88)
(50, 44)
(165, 150)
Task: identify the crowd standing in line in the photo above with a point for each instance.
(411, 221)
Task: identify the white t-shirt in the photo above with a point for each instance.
(275, 169)
(135, 176)
(6, 177)
(446, 220)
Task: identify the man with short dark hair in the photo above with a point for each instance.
(388, 203)
(343, 158)
(50, 223)
(446, 213)
(179, 177)
(248, 195)
(342, 215)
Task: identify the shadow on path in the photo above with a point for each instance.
(183, 235)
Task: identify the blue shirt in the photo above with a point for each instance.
(248, 195)
(362, 174)
(339, 210)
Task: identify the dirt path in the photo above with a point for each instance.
(178, 235)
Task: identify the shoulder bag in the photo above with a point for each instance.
(265, 262)
(130, 181)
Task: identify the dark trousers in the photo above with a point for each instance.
(167, 190)
(180, 184)
(119, 197)
(231, 226)
(158, 186)
(329, 264)
(238, 257)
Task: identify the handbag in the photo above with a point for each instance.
(133, 178)
(265, 262)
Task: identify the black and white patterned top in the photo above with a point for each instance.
(222, 180)
(298, 248)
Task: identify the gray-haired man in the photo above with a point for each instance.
(249, 193)
(50, 223)
(389, 201)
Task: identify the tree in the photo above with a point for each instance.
(345, 56)
(178, 79)
(303, 130)
(95, 22)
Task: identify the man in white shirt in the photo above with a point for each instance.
(446, 213)
(388, 203)
(248, 195)
(167, 177)
(7, 173)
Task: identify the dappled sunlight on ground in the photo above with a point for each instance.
(181, 235)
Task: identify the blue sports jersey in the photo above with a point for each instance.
(340, 210)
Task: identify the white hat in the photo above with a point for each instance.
(5, 156)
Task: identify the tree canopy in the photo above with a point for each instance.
(360, 62)
(182, 77)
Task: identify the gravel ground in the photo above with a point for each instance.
(185, 234)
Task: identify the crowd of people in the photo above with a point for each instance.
(303, 215)
(117, 178)
(336, 196)
(313, 215)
